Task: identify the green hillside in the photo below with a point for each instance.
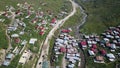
(101, 14)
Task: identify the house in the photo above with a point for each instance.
(59, 40)
(99, 59)
(6, 62)
(113, 46)
(17, 40)
(53, 20)
(72, 60)
(94, 46)
(94, 42)
(89, 42)
(12, 28)
(24, 42)
(106, 39)
(21, 33)
(9, 56)
(62, 49)
(41, 32)
(86, 36)
(103, 52)
(65, 31)
(14, 35)
(94, 50)
(111, 56)
(71, 66)
(32, 41)
(91, 53)
(108, 44)
(83, 44)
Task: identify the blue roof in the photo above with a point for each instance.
(9, 56)
(6, 62)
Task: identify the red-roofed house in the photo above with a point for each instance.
(94, 46)
(41, 33)
(53, 20)
(92, 49)
(65, 31)
(83, 44)
(17, 40)
(62, 49)
(103, 52)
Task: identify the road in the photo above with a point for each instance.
(45, 47)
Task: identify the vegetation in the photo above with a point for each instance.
(3, 38)
(101, 14)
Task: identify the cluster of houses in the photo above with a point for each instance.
(8, 59)
(68, 45)
(16, 29)
(20, 18)
(104, 46)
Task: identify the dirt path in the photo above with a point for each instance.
(9, 40)
(64, 64)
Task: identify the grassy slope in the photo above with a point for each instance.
(3, 38)
(53, 5)
(101, 14)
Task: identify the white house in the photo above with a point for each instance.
(14, 35)
(32, 41)
(91, 53)
(111, 57)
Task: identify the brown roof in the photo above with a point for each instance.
(99, 58)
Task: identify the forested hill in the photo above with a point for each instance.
(105, 11)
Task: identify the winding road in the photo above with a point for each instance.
(45, 47)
